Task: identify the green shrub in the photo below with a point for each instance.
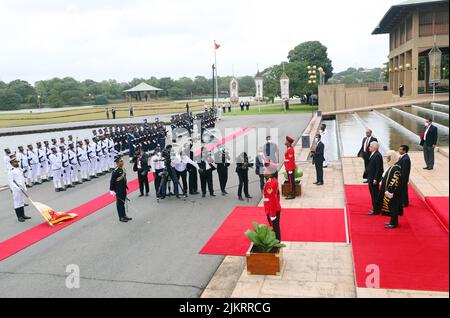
(264, 238)
(298, 173)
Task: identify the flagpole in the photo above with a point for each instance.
(215, 63)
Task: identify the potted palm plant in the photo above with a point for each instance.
(285, 187)
(264, 255)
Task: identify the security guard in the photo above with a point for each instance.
(118, 188)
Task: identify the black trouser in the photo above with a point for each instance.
(183, 175)
(366, 163)
(319, 170)
(206, 178)
(243, 182)
(275, 224)
(374, 192)
(193, 186)
(20, 212)
(157, 181)
(262, 181)
(405, 196)
(428, 154)
(223, 177)
(291, 179)
(120, 204)
(143, 182)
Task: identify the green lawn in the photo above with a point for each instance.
(255, 110)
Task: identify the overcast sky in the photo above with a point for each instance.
(115, 39)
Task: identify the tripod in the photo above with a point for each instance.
(164, 180)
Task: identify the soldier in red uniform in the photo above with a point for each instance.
(271, 194)
(289, 165)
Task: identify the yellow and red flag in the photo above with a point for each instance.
(216, 46)
(51, 216)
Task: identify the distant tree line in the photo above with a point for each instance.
(58, 92)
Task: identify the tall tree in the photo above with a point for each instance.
(312, 53)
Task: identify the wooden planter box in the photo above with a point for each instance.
(264, 263)
(285, 189)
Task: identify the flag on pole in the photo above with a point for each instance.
(216, 46)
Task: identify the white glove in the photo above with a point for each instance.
(112, 193)
(273, 219)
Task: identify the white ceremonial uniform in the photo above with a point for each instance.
(111, 153)
(16, 182)
(6, 160)
(33, 160)
(99, 155)
(65, 168)
(43, 163)
(83, 160)
(91, 153)
(22, 158)
(104, 159)
(73, 163)
(56, 169)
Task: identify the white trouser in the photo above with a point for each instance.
(18, 198)
(27, 175)
(84, 169)
(92, 163)
(43, 170)
(98, 165)
(66, 176)
(104, 163)
(74, 173)
(111, 160)
(56, 174)
(34, 172)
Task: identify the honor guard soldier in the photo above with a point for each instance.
(83, 160)
(43, 162)
(118, 188)
(17, 185)
(7, 159)
(289, 165)
(90, 149)
(55, 159)
(24, 164)
(34, 164)
(65, 167)
(271, 194)
(48, 152)
(73, 162)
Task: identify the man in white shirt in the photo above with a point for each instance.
(16, 182)
(55, 159)
(157, 165)
(180, 163)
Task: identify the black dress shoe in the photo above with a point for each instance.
(319, 183)
(213, 195)
(62, 189)
(146, 194)
(374, 213)
(21, 219)
(290, 197)
(241, 199)
(249, 197)
(141, 195)
(26, 217)
(316, 182)
(426, 168)
(203, 195)
(390, 226)
(124, 220)
(129, 219)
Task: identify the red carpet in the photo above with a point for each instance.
(440, 207)
(21, 241)
(297, 225)
(414, 256)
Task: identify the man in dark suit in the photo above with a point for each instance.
(405, 163)
(318, 159)
(374, 175)
(141, 167)
(222, 160)
(428, 140)
(364, 152)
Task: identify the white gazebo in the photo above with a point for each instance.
(142, 91)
